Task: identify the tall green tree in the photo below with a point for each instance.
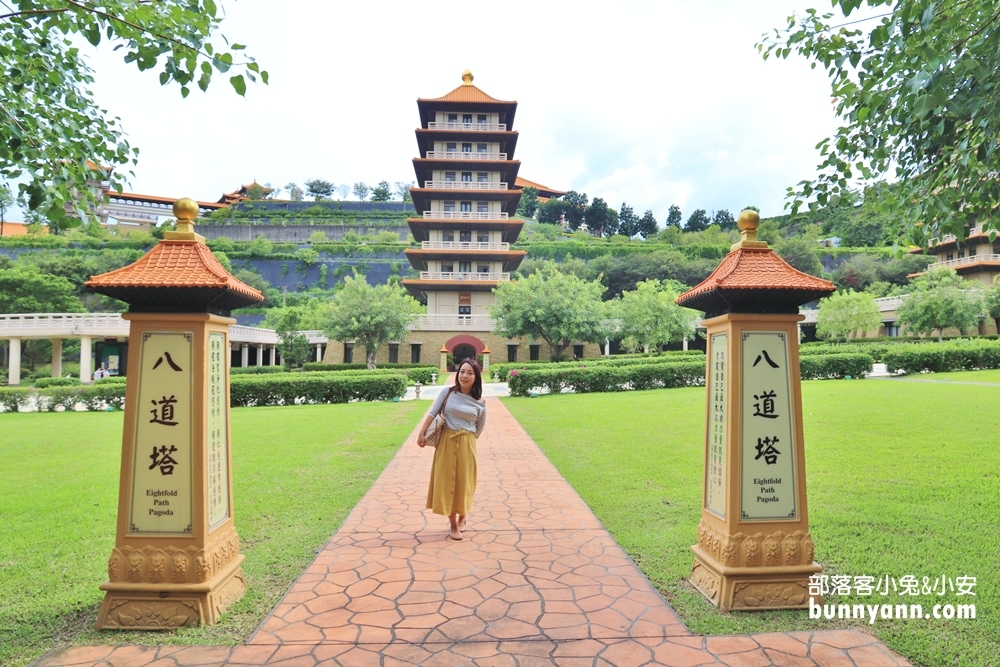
(697, 221)
(370, 316)
(914, 93)
(559, 308)
(942, 300)
(725, 220)
(361, 191)
(382, 191)
(54, 138)
(25, 289)
(647, 225)
(293, 345)
(991, 296)
(649, 315)
(403, 190)
(598, 217)
(674, 216)
(319, 189)
(552, 211)
(845, 313)
(628, 221)
(576, 208)
(528, 205)
(6, 203)
(802, 254)
(294, 191)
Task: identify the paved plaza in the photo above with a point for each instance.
(536, 581)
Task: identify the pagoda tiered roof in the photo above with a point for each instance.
(419, 256)
(469, 97)
(510, 228)
(424, 167)
(422, 197)
(427, 137)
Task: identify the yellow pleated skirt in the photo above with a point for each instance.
(453, 474)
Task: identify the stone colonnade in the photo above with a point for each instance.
(14, 358)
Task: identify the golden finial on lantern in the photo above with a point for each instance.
(185, 210)
(467, 77)
(748, 222)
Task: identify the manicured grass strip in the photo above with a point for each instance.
(297, 472)
(904, 478)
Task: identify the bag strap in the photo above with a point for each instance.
(446, 397)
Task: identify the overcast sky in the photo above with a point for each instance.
(653, 103)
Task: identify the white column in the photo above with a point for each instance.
(684, 344)
(86, 372)
(14, 363)
(260, 354)
(273, 350)
(607, 347)
(319, 352)
(244, 355)
(57, 357)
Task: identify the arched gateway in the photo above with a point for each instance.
(464, 346)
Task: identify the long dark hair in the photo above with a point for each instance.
(477, 386)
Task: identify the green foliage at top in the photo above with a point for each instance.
(845, 313)
(528, 205)
(559, 308)
(55, 137)
(370, 316)
(940, 300)
(912, 89)
(25, 289)
(649, 315)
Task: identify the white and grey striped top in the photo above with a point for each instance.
(463, 413)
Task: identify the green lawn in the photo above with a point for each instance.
(904, 478)
(297, 472)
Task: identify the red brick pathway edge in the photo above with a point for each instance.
(536, 581)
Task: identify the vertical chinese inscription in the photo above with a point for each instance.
(161, 451)
(767, 478)
(218, 434)
(718, 418)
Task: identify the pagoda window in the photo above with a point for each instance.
(348, 353)
(481, 118)
(511, 353)
(465, 310)
(453, 118)
(414, 353)
(451, 147)
(483, 206)
(482, 148)
(483, 237)
(449, 206)
(448, 235)
(393, 353)
(467, 148)
(465, 267)
(467, 207)
(447, 268)
(466, 176)
(482, 177)
(465, 237)
(467, 118)
(578, 351)
(950, 257)
(533, 351)
(961, 254)
(972, 250)
(483, 268)
(449, 176)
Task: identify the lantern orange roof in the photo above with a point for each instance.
(467, 92)
(753, 278)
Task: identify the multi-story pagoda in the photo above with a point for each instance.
(466, 197)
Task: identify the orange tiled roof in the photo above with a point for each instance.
(466, 92)
(175, 264)
(757, 277)
(525, 183)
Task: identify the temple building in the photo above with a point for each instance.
(466, 196)
(976, 258)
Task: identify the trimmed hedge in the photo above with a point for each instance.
(95, 398)
(873, 350)
(12, 398)
(42, 383)
(113, 379)
(319, 366)
(502, 370)
(943, 357)
(253, 391)
(607, 378)
(256, 370)
(417, 374)
(831, 366)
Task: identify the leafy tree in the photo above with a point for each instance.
(649, 315)
(319, 189)
(725, 220)
(6, 203)
(552, 211)
(992, 299)
(751, 207)
(260, 246)
(382, 192)
(403, 190)
(528, 205)
(647, 225)
(941, 299)
(223, 259)
(697, 221)
(598, 217)
(623, 273)
(294, 191)
(802, 254)
(371, 316)
(576, 208)
(845, 313)
(256, 192)
(56, 140)
(674, 216)
(559, 308)
(343, 190)
(361, 191)
(317, 237)
(256, 281)
(628, 222)
(25, 289)
(293, 345)
(912, 93)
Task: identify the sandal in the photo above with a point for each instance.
(455, 535)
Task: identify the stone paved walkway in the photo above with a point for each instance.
(537, 581)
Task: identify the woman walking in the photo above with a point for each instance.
(453, 474)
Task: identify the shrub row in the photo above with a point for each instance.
(830, 366)
(269, 390)
(877, 347)
(256, 370)
(93, 398)
(415, 374)
(607, 378)
(318, 366)
(42, 383)
(939, 358)
(501, 371)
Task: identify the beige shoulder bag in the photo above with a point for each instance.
(432, 436)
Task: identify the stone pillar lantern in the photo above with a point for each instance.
(754, 550)
(176, 560)
(486, 358)
(444, 359)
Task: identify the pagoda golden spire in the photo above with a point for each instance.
(467, 77)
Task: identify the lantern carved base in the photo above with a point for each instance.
(758, 588)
